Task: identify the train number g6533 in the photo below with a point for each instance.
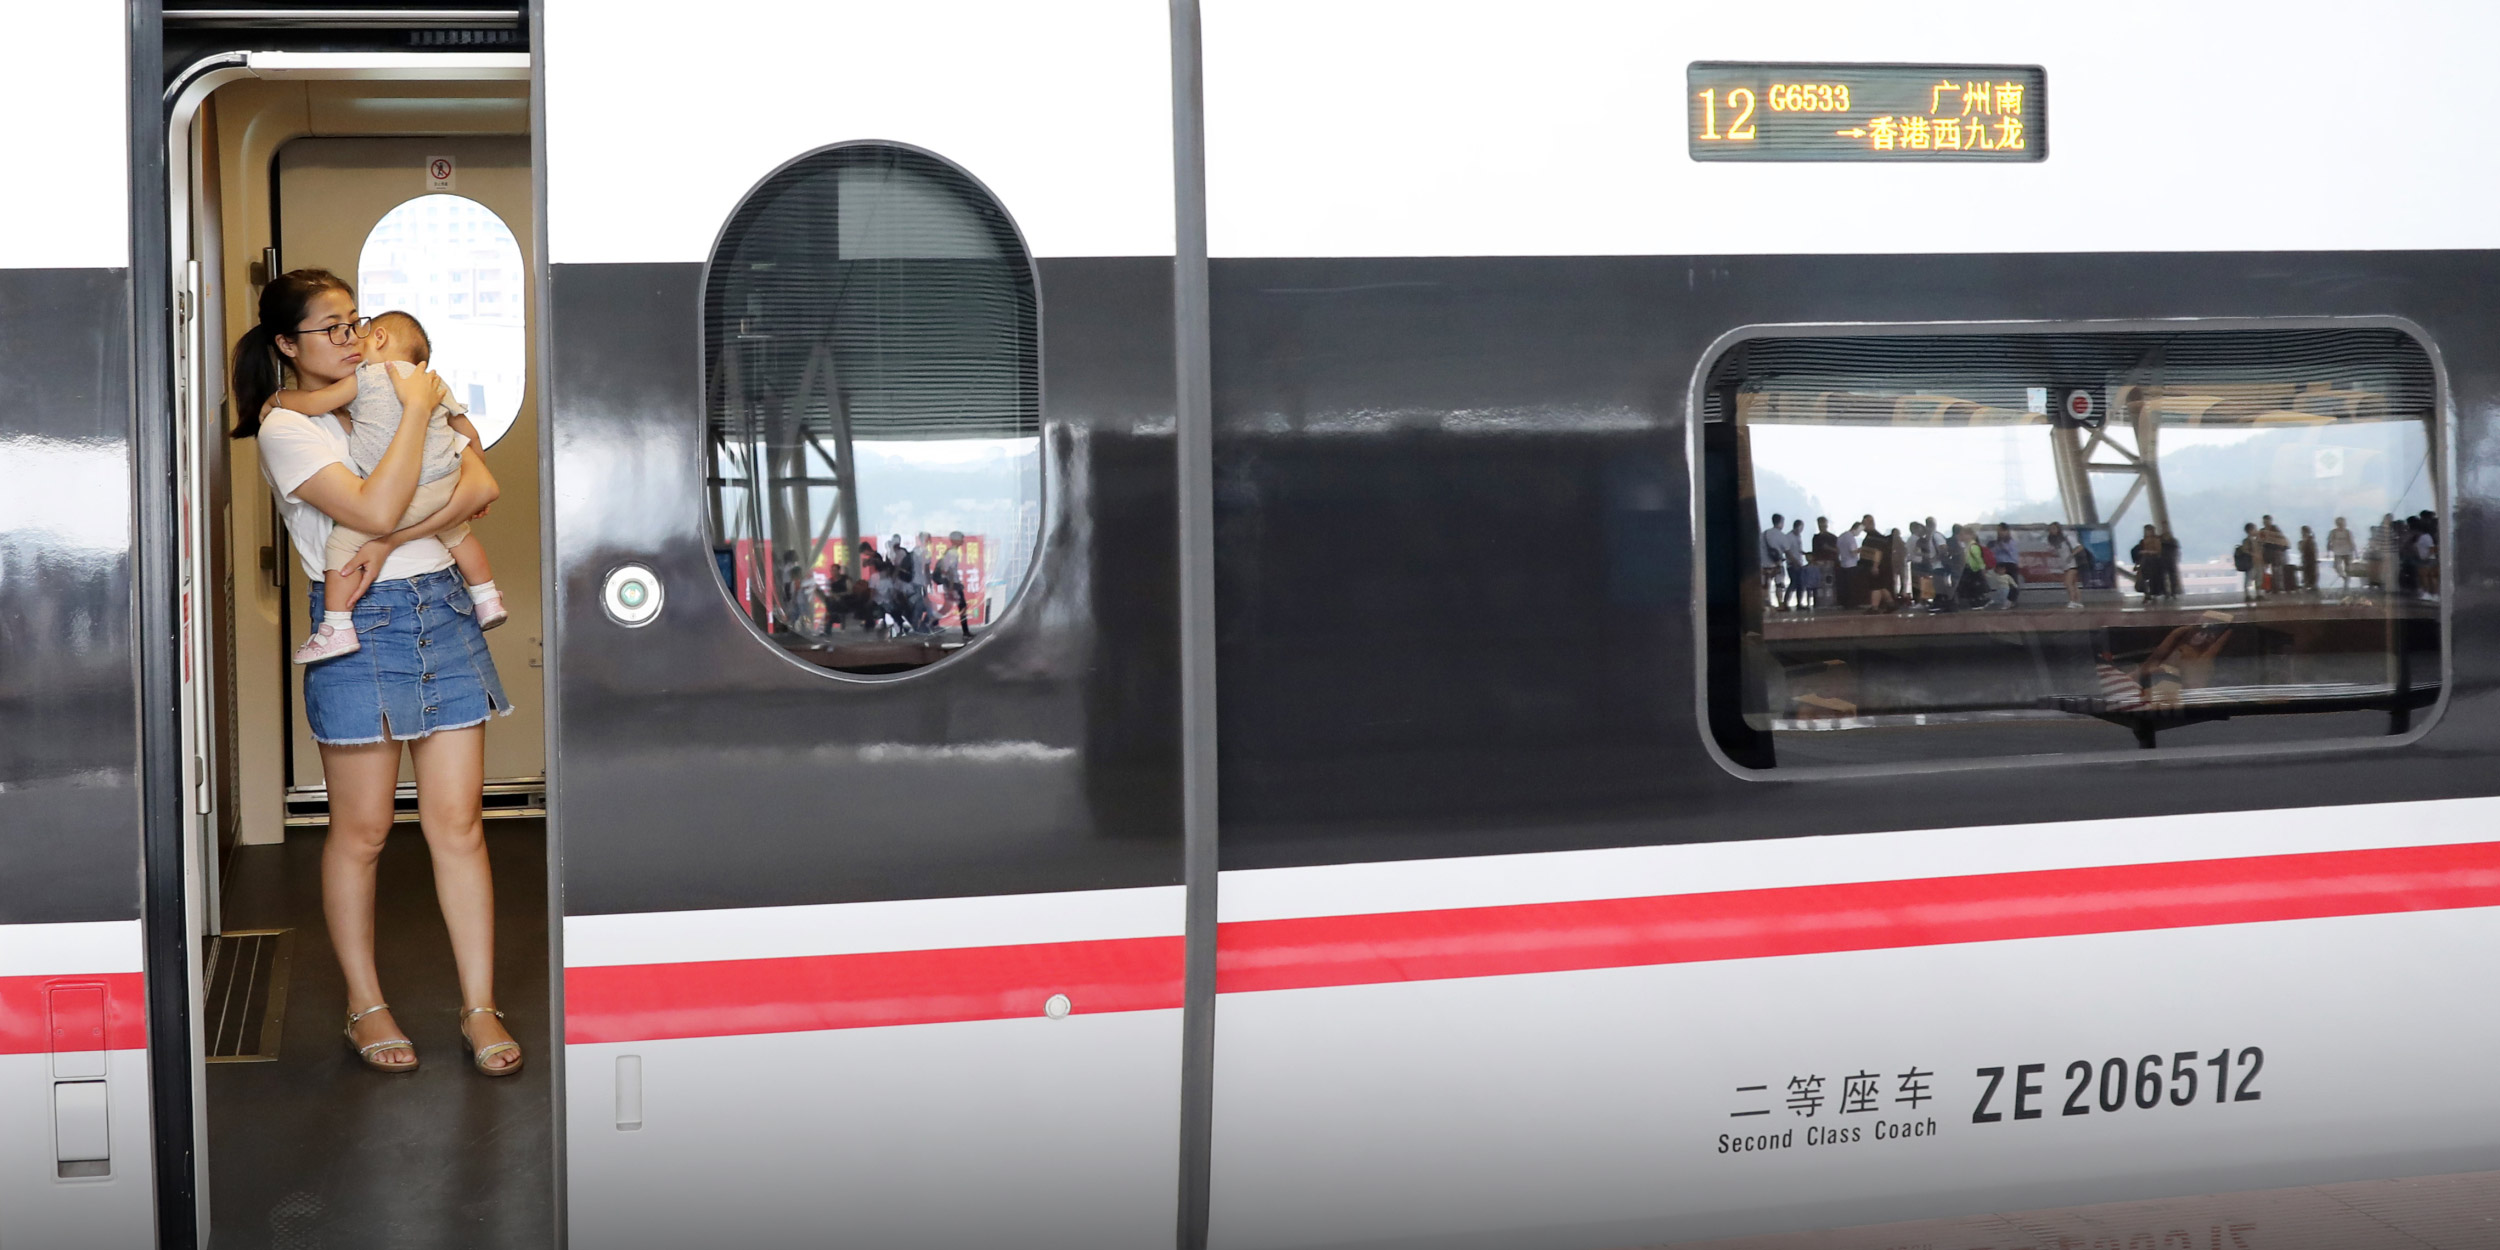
(1809, 97)
(2115, 1084)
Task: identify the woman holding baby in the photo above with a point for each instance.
(414, 670)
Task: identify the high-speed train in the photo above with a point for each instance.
(1162, 624)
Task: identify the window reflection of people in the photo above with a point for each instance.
(2308, 559)
(2426, 551)
(1852, 577)
(1925, 554)
(1768, 556)
(845, 597)
(422, 680)
(2008, 563)
(2150, 579)
(2339, 547)
(2068, 556)
(1826, 560)
(1793, 550)
(911, 585)
(2278, 553)
(2184, 660)
(2417, 555)
(1875, 573)
(948, 574)
(2245, 558)
(1977, 583)
(924, 580)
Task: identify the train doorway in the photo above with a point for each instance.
(420, 193)
(441, 227)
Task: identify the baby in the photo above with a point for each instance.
(396, 345)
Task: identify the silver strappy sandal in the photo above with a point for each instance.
(366, 1052)
(478, 1055)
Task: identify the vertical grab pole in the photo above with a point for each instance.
(1194, 429)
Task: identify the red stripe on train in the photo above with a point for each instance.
(637, 1002)
(1873, 915)
(27, 1020)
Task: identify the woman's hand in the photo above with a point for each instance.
(419, 389)
(366, 565)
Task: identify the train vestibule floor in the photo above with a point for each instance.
(315, 1150)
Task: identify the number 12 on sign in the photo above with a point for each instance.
(1740, 105)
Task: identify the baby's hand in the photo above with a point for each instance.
(419, 387)
(366, 565)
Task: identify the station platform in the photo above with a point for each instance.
(2051, 615)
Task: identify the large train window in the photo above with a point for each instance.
(454, 264)
(1929, 548)
(873, 409)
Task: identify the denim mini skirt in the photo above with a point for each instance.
(421, 666)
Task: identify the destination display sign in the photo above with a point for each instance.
(1746, 111)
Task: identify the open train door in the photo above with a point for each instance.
(75, 1158)
(863, 669)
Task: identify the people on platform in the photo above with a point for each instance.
(1875, 571)
(1852, 588)
(1948, 568)
(2069, 557)
(1825, 562)
(2152, 573)
(1927, 556)
(1794, 552)
(946, 573)
(2278, 553)
(2426, 551)
(1774, 586)
(2008, 563)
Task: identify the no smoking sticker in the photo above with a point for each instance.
(438, 172)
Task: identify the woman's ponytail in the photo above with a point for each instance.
(258, 373)
(259, 368)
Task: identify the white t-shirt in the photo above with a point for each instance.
(1850, 542)
(293, 447)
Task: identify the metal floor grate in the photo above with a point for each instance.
(244, 1010)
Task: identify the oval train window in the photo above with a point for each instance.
(872, 408)
(450, 262)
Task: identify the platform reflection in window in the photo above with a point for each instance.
(1937, 548)
(872, 406)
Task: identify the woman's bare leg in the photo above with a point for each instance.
(451, 789)
(362, 780)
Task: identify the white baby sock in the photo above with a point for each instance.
(344, 622)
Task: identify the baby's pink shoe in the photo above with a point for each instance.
(489, 607)
(327, 643)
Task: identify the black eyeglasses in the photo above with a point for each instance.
(343, 333)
